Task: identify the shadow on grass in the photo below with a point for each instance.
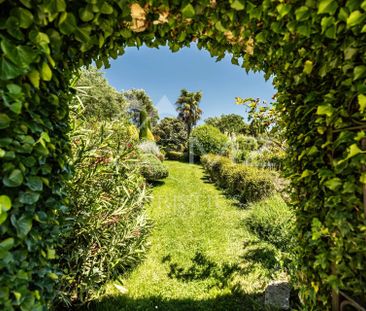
(202, 268)
(230, 302)
(157, 183)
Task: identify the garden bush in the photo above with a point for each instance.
(248, 143)
(152, 168)
(171, 134)
(150, 147)
(246, 183)
(272, 220)
(208, 139)
(175, 155)
(106, 231)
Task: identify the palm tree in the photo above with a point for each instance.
(188, 108)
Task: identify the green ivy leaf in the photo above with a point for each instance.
(355, 18)
(106, 8)
(362, 102)
(15, 178)
(308, 67)
(283, 9)
(302, 13)
(237, 5)
(327, 6)
(8, 70)
(5, 203)
(86, 15)
(46, 72)
(28, 197)
(67, 23)
(6, 244)
(333, 184)
(4, 121)
(359, 72)
(35, 183)
(219, 27)
(34, 77)
(20, 55)
(24, 17)
(188, 11)
(23, 225)
(3, 217)
(325, 110)
(363, 178)
(51, 253)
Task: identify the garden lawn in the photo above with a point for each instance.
(202, 256)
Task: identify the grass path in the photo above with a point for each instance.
(196, 245)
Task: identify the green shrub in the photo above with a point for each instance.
(267, 158)
(247, 143)
(208, 139)
(150, 147)
(273, 221)
(175, 155)
(171, 134)
(152, 168)
(246, 183)
(107, 228)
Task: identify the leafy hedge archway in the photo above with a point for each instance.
(315, 49)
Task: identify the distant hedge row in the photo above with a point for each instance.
(246, 183)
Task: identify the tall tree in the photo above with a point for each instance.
(188, 108)
(143, 112)
(99, 99)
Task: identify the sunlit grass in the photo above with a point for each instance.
(202, 255)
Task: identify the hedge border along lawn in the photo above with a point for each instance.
(315, 50)
(246, 183)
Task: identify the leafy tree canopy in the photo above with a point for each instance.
(229, 123)
(99, 99)
(138, 101)
(171, 134)
(188, 108)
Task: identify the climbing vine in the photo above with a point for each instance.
(314, 49)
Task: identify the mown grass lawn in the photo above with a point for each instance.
(202, 256)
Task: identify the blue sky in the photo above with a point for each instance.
(163, 74)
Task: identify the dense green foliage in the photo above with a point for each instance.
(273, 222)
(171, 134)
(241, 146)
(99, 99)
(315, 50)
(152, 168)
(207, 139)
(229, 123)
(188, 109)
(246, 183)
(106, 231)
(175, 155)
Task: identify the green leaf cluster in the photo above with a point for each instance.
(314, 50)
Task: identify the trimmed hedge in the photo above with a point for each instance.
(315, 50)
(152, 168)
(247, 183)
(175, 155)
